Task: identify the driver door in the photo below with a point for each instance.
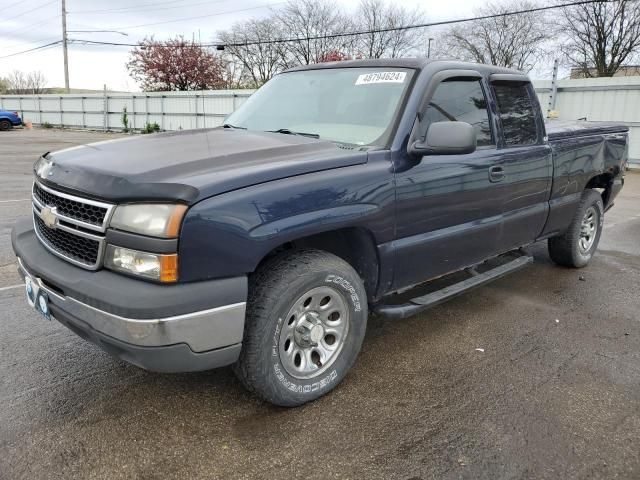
(449, 207)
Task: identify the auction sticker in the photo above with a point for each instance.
(381, 77)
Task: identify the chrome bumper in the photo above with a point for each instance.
(202, 331)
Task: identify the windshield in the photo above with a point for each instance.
(346, 105)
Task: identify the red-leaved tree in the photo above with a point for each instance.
(333, 56)
(175, 64)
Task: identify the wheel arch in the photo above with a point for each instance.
(603, 183)
(355, 245)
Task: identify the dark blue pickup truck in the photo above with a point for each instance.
(335, 190)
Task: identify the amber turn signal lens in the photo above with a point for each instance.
(175, 220)
(169, 268)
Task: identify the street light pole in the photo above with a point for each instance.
(64, 47)
(429, 48)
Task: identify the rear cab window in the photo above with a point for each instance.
(517, 113)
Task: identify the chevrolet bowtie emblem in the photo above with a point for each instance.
(49, 217)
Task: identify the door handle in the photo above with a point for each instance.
(496, 174)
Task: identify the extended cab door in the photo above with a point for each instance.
(449, 211)
(526, 164)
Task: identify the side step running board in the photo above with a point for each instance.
(418, 304)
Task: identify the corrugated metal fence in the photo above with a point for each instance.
(170, 110)
(600, 99)
(615, 99)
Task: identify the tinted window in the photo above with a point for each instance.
(463, 101)
(516, 114)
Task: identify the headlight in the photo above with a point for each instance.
(153, 219)
(41, 167)
(163, 268)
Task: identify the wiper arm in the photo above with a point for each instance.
(286, 131)
(228, 125)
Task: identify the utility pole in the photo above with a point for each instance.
(64, 47)
(429, 48)
(551, 107)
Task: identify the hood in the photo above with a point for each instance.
(189, 165)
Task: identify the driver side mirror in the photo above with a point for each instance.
(446, 138)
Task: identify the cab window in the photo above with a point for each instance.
(516, 113)
(461, 101)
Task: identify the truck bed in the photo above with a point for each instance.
(558, 129)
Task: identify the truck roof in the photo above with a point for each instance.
(414, 63)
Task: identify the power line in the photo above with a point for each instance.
(141, 8)
(29, 11)
(108, 10)
(33, 49)
(30, 42)
(128, 27)
(30, 26)
(360, 32)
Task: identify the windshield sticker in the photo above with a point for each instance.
(381, 77)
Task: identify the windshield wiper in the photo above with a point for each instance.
(286, 131)
(228, 125)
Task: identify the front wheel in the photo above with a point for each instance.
(306, 320)
(5, 125)
(578, 244)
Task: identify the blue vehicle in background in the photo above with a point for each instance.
(8, 120)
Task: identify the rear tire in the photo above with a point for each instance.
(5, 125)
(306, 320)
(576, 246)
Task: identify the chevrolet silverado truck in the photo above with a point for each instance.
(334, 190)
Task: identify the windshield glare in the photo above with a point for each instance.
(347, 105)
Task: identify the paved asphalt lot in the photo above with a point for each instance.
(546, 399)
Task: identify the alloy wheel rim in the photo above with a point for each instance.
(588, 230)
(314, 332)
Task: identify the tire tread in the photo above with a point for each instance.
(266, 287)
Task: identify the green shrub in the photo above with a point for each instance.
(125, 120)
(47, 125)
(151, 128)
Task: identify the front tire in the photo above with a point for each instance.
(578, 244)
(5, 125)
(306, 320)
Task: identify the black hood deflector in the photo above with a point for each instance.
(190, 165)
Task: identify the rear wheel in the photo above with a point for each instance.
(5, 125)
(578, 244)
(306, 319)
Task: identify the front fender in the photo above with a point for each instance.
(230, 234)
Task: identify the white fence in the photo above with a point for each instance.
(170, 110)
(600, 99)
(615, 99)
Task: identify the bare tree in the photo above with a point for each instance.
(36, 82)
(514, 41)
(17, 82)
(307, 19)
(252, 57)
(25, 83)
(600, 37)
(376, 15)
(4, 85)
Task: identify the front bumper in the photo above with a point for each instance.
(168, 328)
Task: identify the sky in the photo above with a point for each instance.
(28, 24)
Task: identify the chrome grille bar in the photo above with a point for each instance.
(87, 250)
(101, 227)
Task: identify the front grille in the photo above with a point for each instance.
(81, 249)
(74, 228)
(73, 209)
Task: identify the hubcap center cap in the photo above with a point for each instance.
(317, 332)
(309, 330)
